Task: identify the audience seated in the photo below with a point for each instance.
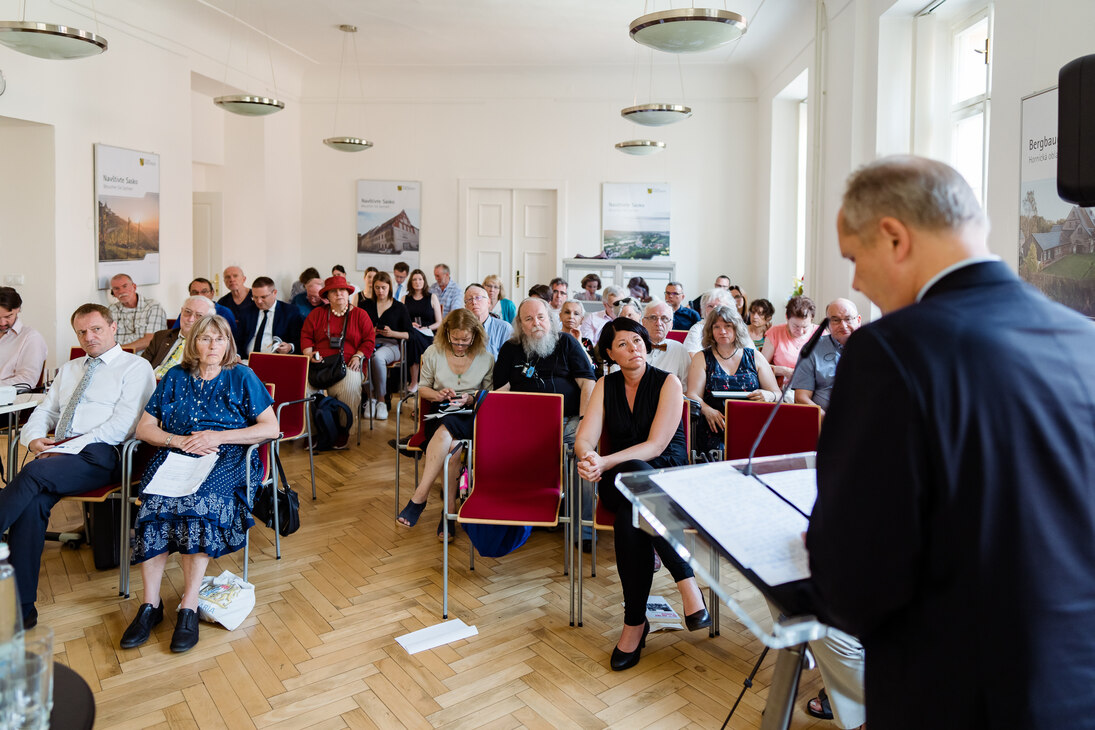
(454, 368)
(591, 284)
(783, 341)
(22, 349)
(308, 299)
(208, 405)
(447, 290)
(558, 287)
(204, 288)
(760, 319)
(424, 309)
(629, 307)
(592, 324)
(540, 290)
(340, 327)
(693, 341)
(727, 363)
(683, 317)
(166, 349)
(98, 396)
(813, 381)
(499, 305)
(478, 302)
(392, 324)
(665, 354)
(302, 281)
(238, 298)
(640, 409)
(638, 289)
(740, 302)
(366, 291)
(722, 281)
(570, 320)
(136, 317)
(272, 326)
(400, 272)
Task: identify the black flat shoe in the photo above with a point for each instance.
(699, 620)
(30, 619)
(186, 631)
(622, 660)
(140, 628)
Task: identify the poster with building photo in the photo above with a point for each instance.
(1056, 238)
(389, 216)
(127, 216)
(635, 220)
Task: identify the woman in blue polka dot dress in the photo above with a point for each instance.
(207, 404)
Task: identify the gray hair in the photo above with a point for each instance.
(730, 316)
(212, 308)
(921, 193)
(654, 302)
(719, 295)
(518, 332)
(616, 291)
(632, 303)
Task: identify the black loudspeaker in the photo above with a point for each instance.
(1076, 132)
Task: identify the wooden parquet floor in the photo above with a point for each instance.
(319, 649)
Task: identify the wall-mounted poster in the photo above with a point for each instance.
(127, 216)
(389, 216)
(635, 220)
(1056, 238)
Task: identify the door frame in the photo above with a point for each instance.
(467, 184)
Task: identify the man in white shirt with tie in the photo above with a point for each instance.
(99, 397)
(272, 326)
(665, 354)
(399, 280)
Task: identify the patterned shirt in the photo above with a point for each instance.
(451, 297)
(173, 358)
(147, 318)
(22, 355)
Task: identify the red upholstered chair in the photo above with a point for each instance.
(677, 335)
(794, 430)
(516, 474)
(75, 352)
(292, 404)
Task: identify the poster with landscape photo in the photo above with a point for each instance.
(389, 221)
(635, 220)
(1056, 238)
(127, 215)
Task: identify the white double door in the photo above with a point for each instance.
(511, 232)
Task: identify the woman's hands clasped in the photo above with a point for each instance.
(200, 443)
(591, 466)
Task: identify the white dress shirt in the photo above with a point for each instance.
(22, 355)
(112, 403)
(267, 344)
(673, 359)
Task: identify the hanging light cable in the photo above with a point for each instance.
(347, 144)
(50, 41)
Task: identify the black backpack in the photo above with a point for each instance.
(331, 418)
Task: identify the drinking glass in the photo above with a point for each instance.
(33, 690)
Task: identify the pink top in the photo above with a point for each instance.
(786, 347)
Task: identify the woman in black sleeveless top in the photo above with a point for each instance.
(638, 409)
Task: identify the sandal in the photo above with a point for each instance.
(441, 529)
(823, 711)
(410, 513)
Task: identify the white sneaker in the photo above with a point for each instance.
(370, 408)
(381, 411)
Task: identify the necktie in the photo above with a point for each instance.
(65, 424)
(398, 291)
(262, 329)
(661, 347)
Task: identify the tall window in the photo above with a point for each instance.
(970, 58)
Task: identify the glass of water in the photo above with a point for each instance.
(33, 690)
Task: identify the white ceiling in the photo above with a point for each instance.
(486, 32)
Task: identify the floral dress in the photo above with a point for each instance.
(745, 379)
(214, 520)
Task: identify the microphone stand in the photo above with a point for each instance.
(802, 355)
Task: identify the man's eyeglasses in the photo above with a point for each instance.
(474, 299)
(655, 318)
(834, 321)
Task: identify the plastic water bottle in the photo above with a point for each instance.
(11, 638)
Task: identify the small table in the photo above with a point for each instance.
(22, 403)
(76, 709)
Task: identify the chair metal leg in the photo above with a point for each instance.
(311, 454)
(398, 426)
(274, 478)
(246, 553)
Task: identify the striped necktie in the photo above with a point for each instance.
(65, 425)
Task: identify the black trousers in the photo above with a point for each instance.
(635, 548)
(26, 502)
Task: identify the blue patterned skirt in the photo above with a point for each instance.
(214, 520)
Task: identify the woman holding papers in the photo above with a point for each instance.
(206, 405)
(726, 364)
(454, 368)
(638, 408)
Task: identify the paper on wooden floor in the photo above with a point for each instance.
(437, 635)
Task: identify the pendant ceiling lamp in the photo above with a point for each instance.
(347, 143)
(47, 40)
(687, 30)
(655, 114)
(250, 105)
(640, 147)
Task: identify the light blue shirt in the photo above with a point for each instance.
(451, 298)
(497, 333)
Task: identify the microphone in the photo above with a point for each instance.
(802, 355)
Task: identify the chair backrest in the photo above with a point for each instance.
(289, 376)
(794, 429)
(677, 335)
(76, 352)
(518, 446)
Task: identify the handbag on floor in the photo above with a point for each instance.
(288, 505)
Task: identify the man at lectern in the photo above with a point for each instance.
(954, 530)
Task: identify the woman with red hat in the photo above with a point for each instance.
(340, 327)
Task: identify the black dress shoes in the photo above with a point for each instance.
(622, 660)
(30, 619)
(140, 628)
(186, 631)
(699, 620)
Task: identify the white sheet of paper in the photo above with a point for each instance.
(72, 446)
(181, 475)
(799, 486)
(759, 529)
(436, 635)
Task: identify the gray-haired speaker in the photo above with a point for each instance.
(1076, 131)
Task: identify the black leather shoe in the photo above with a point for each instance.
(699, 620)
(140, 628)
(30, 618)
(622, 660)
(186, 631)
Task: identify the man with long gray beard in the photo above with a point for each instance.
(541, 359)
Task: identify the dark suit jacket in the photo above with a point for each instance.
(158, 350)
(954, 530)
(287, 324)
